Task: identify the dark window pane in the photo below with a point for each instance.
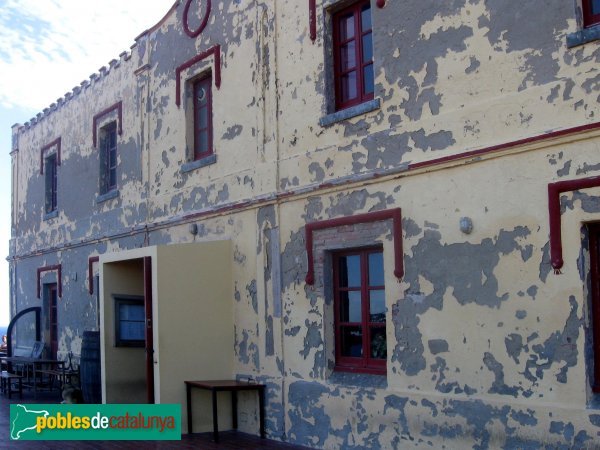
(112, 158)
(377, 306)
(595, 6)
(348, 56)
(350, 306)
(346, 27)
(132, 331)
(367, 48)
(202, 118)
(202, 121)
(376, 269)
(369, 85)
(112, 179)
(365, 17)
(132, 312)
(349, 90)
(349, 271)
(202, 141)
(378, 343)
(351, 341)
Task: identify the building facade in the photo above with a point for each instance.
(396, 203)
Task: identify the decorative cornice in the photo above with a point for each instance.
(55, 142)
(119, 108)
(58, 268)
(216, 51)
(394, 214)
(554, 191)
(91, 261)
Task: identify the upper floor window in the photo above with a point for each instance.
(353, 55)
(591, 12)
(51, 182)
(108, 158)
(360, 312)
(202, 104)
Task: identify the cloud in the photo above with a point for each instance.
(49, 46)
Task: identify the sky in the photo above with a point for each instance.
(47, 47)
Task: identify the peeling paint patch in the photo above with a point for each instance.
(560, 347)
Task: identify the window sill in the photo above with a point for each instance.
(348, 113)
(107, 196)
(51, 215)
(583, 36)
(202, 162)
(359, 379)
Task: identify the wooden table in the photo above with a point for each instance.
(34, 363)
(225, 385)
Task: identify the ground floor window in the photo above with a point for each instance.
(594, 235)
(129, 322)
(359, 302)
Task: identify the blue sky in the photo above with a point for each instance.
(47, 47)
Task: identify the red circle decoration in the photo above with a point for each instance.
(380, 3)
(195, 33)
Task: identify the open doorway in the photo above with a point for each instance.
(128, 331)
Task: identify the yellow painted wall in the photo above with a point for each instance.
(194, 324)
(123, 369)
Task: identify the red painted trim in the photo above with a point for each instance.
(594, 248)
(506, 146)
(119, 107)
(554, 191)
(91, 261)
(380, 3)
(205, 83)
(56, 142)
(365, 363)
(41, 270)
(339, 42)
(589, 19)
(149, 341)
(394, 214)
(312, 19)
(216, 51)
(186, 27)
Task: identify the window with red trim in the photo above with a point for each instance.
(51, 182)
(203, 138)
(353, 55)
(591, 12)
(108, 156)
(594, 235)
(359, 302)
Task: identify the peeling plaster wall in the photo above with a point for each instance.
(487, 347)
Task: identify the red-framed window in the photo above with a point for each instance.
(203, 132)
(594, 236)
(52, 323)
(51, 182)
(359, 302)
(108, 149)
(591, 12)
(353, 55)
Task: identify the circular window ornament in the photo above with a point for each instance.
(204, 20)
(201, 94)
